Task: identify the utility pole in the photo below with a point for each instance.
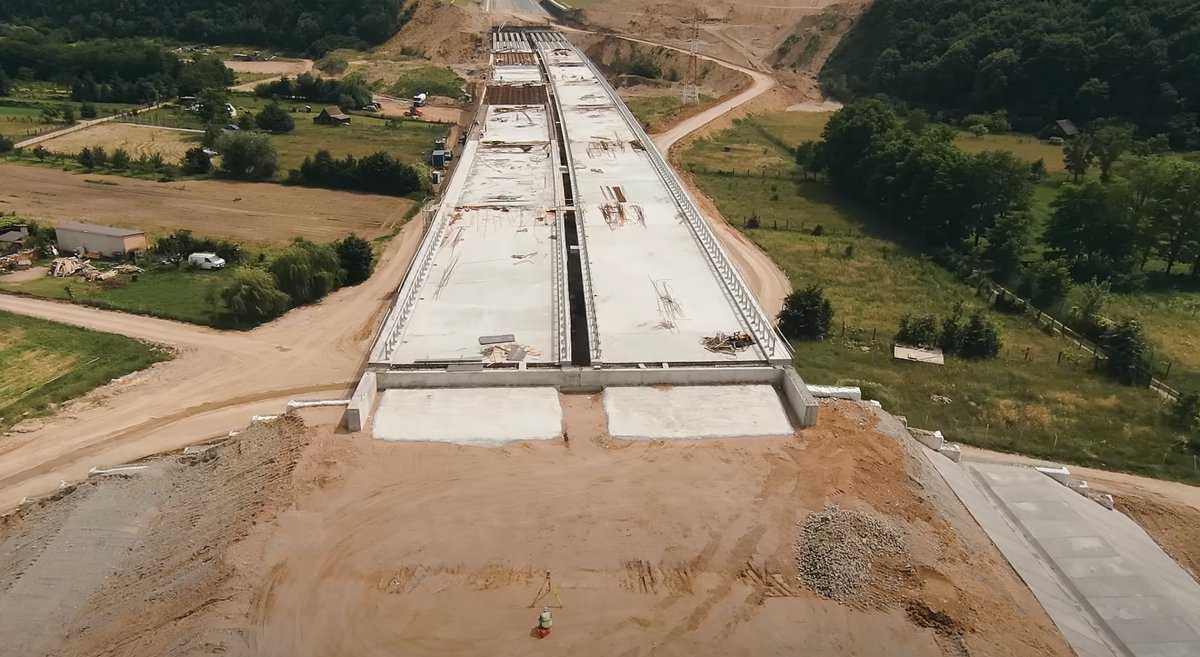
(691, 82)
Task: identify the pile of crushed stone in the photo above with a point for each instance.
(835, 549)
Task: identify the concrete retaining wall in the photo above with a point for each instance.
(362, 403)
(799, 402)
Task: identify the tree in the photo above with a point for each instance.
(1007, 242)
(1128, 354)
(918, 331)
(1094, 231)
(212, 104)
(6, 144)
(247, 156)
(86, 158)
(206, 72)
(1047, 282)
(252, 298)
(999, 184)
(307, 271)
(808, 156)
(245, 121)
(356, 258)
(119, 159)
(1078, 155)
(5, 83)
(1110, 140)
(806, 314)
(67, 112)
(196, 161)
(273, 118)
(1174, 209)
(980, 338)
(87, 111)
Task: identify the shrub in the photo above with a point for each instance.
(119, 159)
(806, 314)
(99, 156)
(1185, 413)
(356, 258)
(196, 161)
(245, 121)
(918, 331)
(1128, 354)
(86, 159)
(252, 297)
(951, 336)
(247, 156)
(980, 338)
(6, 144)
(1047, 283)
(378, 173)
(181, 243)
(306, 272)
(273, 118)
(87, 111)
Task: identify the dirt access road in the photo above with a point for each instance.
(216, 383)
(282, 67)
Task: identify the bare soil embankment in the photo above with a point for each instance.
(372, 548)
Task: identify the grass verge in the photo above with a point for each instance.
(1039, 398)
(43, 364)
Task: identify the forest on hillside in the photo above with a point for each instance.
(1039, 60)
(312, 26)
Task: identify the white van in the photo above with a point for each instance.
(206, 261)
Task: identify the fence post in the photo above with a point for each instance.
(1060, 355)
(1167, 374)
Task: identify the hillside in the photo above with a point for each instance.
(314, 26)
(1041, 61)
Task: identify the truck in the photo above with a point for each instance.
(206, 261)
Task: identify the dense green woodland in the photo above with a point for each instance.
(314, 26)
(1041, 60)
(126, 70)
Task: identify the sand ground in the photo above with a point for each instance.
(253, 212)
(681, 548)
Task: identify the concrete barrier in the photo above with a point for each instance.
(362, 402)
(798, 400)
(836, 392)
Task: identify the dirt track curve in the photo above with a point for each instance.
(216, 382)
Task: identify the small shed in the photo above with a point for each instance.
(103, 240)
(439, 158)
(13, 237)
(332, 115)
(1065, 128)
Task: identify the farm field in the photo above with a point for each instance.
(187, 296)
(137, 140)
(1030, 400)
(408, 141)
(248, 212)
(21, 115)
(43, 364)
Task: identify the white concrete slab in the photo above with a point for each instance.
(692, 412)
(468, 416)
(1104, 570)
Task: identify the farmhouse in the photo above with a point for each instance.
(103, 240)
(332, 116)
(1065, 128)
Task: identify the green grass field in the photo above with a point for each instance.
(21, 117)
(432, 80)
(43, 364)
(408, 141)
(183, 295)
(657, 113)
(1026, 401)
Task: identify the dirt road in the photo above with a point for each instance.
(249, 212)
(282, 67)
(215, 384)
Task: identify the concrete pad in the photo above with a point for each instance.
(468, 416)
(690, 412)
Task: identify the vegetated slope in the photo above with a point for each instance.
(1042, 61)
(313, 25)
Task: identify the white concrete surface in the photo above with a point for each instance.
(655, 293)
(1110, 589)
(691, 412)
(468, 416)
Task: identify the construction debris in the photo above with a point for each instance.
(728, 343)
(18, 260)
(73, 265)
(836, 550)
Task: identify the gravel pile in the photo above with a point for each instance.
(836, 547)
